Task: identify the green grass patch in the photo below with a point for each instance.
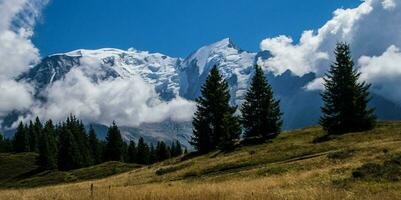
(20, 170)
(17, 166)
(390, 170)
(342, 154)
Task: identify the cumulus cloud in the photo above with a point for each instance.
(316, 84)
(388, 4)
(128, 101)
(299, 58)
(384, 72)
(358, 26)
(14, 95)
(371, 28)
(17, 53)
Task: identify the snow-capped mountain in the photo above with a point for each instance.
(172, 77)
(234, 64)
(155, 68)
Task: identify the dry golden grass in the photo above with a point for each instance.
(291, 167)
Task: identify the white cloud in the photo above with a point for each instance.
(299, 58)
(370, 28)
(317, 84)
(388, 4)
(14, 95)
(128, 101)
(374, 31)
(17, 53)
(384, 72)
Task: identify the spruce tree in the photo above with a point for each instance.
(35, 131)
(261, 116)
(172, 149)
(114, 144)
(142, 152)
(94, 146)
(21, 140)
(69, 156)
(2, 144)
(345, 99)
(214, 123)
(47, 147)
(176, 149)
(162, 151)
(152, 155)
(125, 152)
(77, 129)
(132, 153)
(5, 144)
(102, 145)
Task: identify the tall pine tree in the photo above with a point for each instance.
(132, 152)
(69, 156)
(345, 98)
(34, 135)
(142, 156)
(162, 152)
(214, 123)
(114, 144)
(94, 146)
(21, 139)
(176, 149)
(5, 144)
(47, 147)
(261, 116)
(152, 158)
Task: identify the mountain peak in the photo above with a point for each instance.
(225, 43)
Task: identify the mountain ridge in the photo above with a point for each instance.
(183, 77)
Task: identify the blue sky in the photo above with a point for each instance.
(175, 27)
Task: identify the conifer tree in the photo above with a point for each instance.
(345, 99)
(69, 156)
(34, 134)
(2, 144)
(132, 153)
(102, 145)
(142, 152)
(125, 152)
(114, 144)
(172, 149)
(47, 147)
(162, 151)
(152, 155)
(5, 144)
(31, 134)
(214, 123)
(21, 140)
(94, 146)
(261, 116)
(176, 149)
(77, 129)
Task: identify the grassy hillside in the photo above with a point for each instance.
(362, 165)
(20, 170)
